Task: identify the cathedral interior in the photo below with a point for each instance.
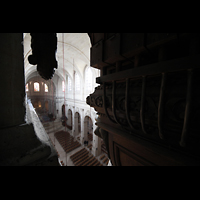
(100, 99)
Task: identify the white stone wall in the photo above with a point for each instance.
(74, 50)
(76, 102)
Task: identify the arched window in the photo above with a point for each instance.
(36, 87)
(69, 84)
(88, 78)
(46, 88)
(27, 87)
(77, 82)
(63, 86)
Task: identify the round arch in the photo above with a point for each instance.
(70, 118)
(88, 129)
(88, 70)
(76, 53)
(77, 123)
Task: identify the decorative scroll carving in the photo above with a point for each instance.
(99, 101)
(129, 119)
(150, 89)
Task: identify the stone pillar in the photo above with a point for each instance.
(19, 144)
(82, 127)
(66, 110)
(57, 110)
(96, 148)
(76, 125)
(12, 83)
(73, 120)
(69, 121)
(85, 131)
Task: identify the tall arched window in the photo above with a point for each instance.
(36, 87)
(46, 88)
(77, 82)
(27, 87)
(63, 86)
(88, 78)
(69, 84)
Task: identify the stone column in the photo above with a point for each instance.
(73, 121)
(69, 121)
(76, 125)
(96, 148)
(19, 144)
(82, 127)
(85, 131)
(12, 83)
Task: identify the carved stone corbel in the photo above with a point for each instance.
(44, 46)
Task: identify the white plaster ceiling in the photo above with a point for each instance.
(76, 54)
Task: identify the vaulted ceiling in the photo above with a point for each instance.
(76, 54)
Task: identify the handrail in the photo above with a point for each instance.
(189, 63)
(161, 106)
(143, 104)
(187, 108)
(127, 104)
(179, 64)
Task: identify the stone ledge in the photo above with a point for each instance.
(20, 146)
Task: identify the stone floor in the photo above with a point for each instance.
(53, 127)
(46, 134)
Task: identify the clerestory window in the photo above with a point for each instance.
(63, 86)
(77, 82)
(27, 87)
(46, 88)
(69, 84)
(88, 78)
(36, 87)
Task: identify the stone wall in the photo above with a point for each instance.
(12, 107)
(19, 144)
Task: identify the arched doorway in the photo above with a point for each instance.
(69, 121)
(88, 130)
(39, 104)
(46, 105)
(63, 110)
(39, 110)
(63, 118)
(77, 120)
(35, 104)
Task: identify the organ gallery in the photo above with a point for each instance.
(98, 99)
